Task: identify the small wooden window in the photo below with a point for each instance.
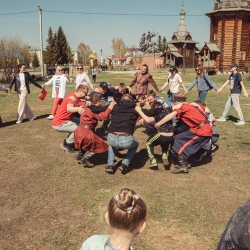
(187, 52)
(242, 55)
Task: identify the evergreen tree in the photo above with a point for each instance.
(142, 46)
(35, 62)
(49, 55)
(63, 52)
(164, 44)
(159, 44)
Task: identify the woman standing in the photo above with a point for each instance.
(94, 73)
(82, 78)
(58, 89)
(174, 81)
(204, 84)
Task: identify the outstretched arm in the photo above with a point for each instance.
(166, 119)
(220, 89)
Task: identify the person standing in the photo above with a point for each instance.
(21, 80)
(58, 89)
(94, 73)
(142, 79)
(82, 78)
(203, 82)
(174, 81)
(235, 91)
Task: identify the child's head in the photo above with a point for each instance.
(127, 211)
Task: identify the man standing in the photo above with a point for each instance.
(82, 78)
(64, 121)
(142, 79)
(121, 129)
(21, 80)
(234, 98)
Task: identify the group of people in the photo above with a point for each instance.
(121, 109)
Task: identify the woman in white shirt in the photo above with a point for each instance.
(58, 89)
(174, 81)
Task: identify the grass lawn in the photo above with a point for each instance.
(48, 201)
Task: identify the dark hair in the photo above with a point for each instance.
(122, 85)
(201, 74)
(127, 97)
(151, 93)
(141, 96)
(95, 98)
(200, 103)
(127, 210)
(20, 65)
(156, 105)
(145, 65)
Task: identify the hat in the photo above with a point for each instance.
(109, 83)
(234, 65)
(103, 85)
(180, 98)
(172, 69)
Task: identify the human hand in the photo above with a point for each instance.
(218, 91)
(80, 110)
(246, 94)
(130, 90)
(7, 90)
(185, 92)
(43, 86)
(138, 108)
(157, 125)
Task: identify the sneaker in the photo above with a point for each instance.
(32, 118)
(214, 147)
(153, 163)
(67, 147)
(18, 122)
(239, 123)
(165, 158)
(221, 119)
(50, 117)
(123, 168)
(180, 169)
(109, 169)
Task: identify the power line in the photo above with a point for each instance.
(97, 13)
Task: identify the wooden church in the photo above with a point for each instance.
(230, 31)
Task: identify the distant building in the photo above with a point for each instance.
(181, 49)
(230, 32)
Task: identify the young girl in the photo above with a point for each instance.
(174, 81)
(58, 89)
(126, 215)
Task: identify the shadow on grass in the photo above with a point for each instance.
(232, 118)
(6, 124)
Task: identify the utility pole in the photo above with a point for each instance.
(101, 56)
(41, 39)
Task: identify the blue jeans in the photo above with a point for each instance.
(171, 96)
(124, 142)
(202, 95)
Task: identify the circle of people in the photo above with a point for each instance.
(121, 109)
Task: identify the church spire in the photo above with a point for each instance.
(182, 29)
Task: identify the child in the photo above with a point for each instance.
(163, 135)
(126, 215)
(234, 98)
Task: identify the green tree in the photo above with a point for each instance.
(63, 52)
(159, 44)
(35, 61)
(164, 44)
(49, 54)
(142, 45)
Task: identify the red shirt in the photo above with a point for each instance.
(193, 117)
(62, 114)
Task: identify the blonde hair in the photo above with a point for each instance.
(127, 211)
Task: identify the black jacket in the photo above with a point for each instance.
(123, 117)
(28, 78)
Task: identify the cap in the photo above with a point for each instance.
(180, 98)
(172, 69)
(103, 85)
(109, 83)
(234, 65)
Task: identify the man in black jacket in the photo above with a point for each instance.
(21, 80)
(121, 129)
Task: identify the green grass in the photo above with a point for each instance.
(48, 201)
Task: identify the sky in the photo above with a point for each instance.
(125, 19)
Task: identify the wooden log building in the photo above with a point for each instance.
(230, 31)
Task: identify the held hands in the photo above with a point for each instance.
(246, 94)
(218, 91)
(185, 92)
(80, 110)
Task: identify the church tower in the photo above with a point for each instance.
(230, 31)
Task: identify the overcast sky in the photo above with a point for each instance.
(82, 23)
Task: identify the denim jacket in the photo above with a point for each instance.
(204, 83)
(237, 233)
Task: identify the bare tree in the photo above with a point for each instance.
(84, 52)
(118, 47)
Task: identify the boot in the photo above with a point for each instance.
(182, 166)
(69, 148)
(85, 160)
(79, 155)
